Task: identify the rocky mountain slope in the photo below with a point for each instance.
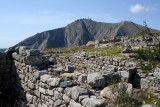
(79, 33)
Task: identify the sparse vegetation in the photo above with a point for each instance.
(112, 51)
(150, 55)
(122, 98)
(136, 100)
(147, 97)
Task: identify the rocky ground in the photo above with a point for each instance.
(103, 74)
(81, 80)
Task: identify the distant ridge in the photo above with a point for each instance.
(79, 33)
(2, 50)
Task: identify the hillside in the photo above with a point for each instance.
(79, 33)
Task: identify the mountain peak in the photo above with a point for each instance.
(83, 19)
(124, 22)
(79, 33)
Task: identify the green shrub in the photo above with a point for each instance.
(149, 56)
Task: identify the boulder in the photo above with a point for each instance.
(66, 99)
(22, 50)
(112, 91)
(67, 84)
(57, 103)
(31, 85)
(108, 92)
(33, 60)
(69, 69)
(126, 87)
(96, 80)
(45, 60)
(52, 60)
(53, 82)
(68, 76)
(29, 98)
(44, 78)
(32, 52)
(58, 70)
(91, 56)
(147, 105)
(92, 102)
(37, 93)
(32, 105)
(144, 83)
(42, 90)
(78, 91)
(125, 75)
(82, 97)
(82, 78)
(74, 104)
(91, 44)
(43, 105)
(129, 74)
(49, 92)
(38, 74)
(156, 74)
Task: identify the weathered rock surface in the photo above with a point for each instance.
(33, 52)
(96, 80)
(78, 91)
(70, 69)
(92, 102)
(157, 74)
(33, 60)
(54, 82)
(45, 77)
(144, 83)
(67, 84)
(112, 91)
(147, 105)
(74, 104)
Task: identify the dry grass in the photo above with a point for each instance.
(112, 51)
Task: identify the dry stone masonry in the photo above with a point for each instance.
(39, 80)
(5, 80)
(5, 71)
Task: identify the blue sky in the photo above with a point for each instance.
(20, 19)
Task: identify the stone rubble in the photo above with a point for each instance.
(75, 81)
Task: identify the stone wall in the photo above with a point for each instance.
(39, 80)
(5, 79)
(132, 42)
(35, 85)
(5, 70)
(26, 71)
(129, 71)
(138, 42)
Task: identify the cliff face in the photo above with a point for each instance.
(79, 33)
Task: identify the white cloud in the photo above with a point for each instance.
(139, 8)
